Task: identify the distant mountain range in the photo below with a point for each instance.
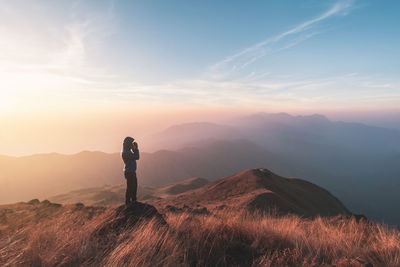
(358, 163)
(45, 175)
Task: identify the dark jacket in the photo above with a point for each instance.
(129, 159)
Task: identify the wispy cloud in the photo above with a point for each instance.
(273, 92)
(282, 41)
(56, 65)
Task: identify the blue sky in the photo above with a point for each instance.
(305, 55)
(86, 72)
(180, 39)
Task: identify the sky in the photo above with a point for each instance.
(75, 74)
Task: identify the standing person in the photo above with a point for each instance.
(130, 153)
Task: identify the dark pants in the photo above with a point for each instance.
(131, 187)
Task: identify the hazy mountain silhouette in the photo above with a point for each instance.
(340, 156)
(356, 162)
(287, 134)
(180, 136)
(45, 175)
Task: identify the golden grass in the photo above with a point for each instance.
(222, 239)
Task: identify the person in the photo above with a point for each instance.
(130, 154)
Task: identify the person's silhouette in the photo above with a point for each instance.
(130, 153)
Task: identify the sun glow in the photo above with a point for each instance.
(7, 102)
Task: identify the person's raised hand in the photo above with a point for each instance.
(135, 146)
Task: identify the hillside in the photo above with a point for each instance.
(180, 187)
(244, 232)
(112, 195)
(48, 234)
(259, 190)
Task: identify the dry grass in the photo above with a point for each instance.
(224, 239)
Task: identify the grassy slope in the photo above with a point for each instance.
(43, 234)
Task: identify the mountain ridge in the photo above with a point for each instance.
(259, 190)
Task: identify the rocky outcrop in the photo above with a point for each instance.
(127, 216)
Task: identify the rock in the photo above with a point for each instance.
(47, 203)
(131, 214)
(127, 216)
(34, 201)
(79, 205)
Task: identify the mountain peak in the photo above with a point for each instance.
(262, 190)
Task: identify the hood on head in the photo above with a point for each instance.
(127, 142)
